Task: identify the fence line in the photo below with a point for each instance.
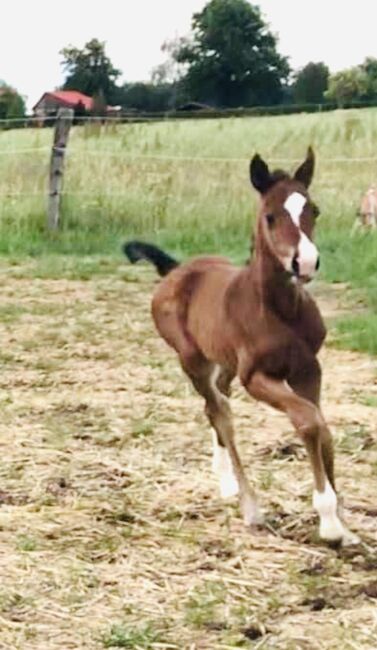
(142, 156)
(86, 118)
(135, 115)
(103, 193)
(123, 154)
(53, 118)
(213, 158)
(14, 152)
(63, 122)
(64, 192)
(32, 118)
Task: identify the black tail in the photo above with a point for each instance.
(138, 250)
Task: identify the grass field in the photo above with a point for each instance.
(185, 185)
(112, 534)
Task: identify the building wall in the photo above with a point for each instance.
(47, 106)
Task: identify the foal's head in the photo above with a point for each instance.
(287, 216)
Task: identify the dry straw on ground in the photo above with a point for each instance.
(111, 529)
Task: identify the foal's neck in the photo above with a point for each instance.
(277, 290)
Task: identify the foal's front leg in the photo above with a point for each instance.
(206, 378)
(220, 416)
(309, 387)
(311, 427)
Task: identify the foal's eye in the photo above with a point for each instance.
(316, 211)
(270, 219)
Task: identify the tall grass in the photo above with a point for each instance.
(198, 200)
(185, 185)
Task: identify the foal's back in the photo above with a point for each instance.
(192, 299)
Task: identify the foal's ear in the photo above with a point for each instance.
(259, 174)
(304, 173)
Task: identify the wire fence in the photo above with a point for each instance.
(14, 152)
(73, 152)
(49, 120)
(126, 115)
(129, 155)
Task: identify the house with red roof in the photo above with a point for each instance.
(50, 102)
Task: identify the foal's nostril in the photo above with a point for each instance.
(318, 264)
(295, 265)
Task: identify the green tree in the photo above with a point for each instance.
(147, 96)
(369, 67)
(231, 57)
(348, 85)
(90, 71)
(311, 83)
(11, 103)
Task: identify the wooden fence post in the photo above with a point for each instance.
(62, 127)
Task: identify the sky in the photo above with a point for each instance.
(34, 32)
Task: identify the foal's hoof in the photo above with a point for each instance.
(350, 539)
(256, 521)
(252, 515)
(338, 535)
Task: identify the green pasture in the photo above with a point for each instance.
(184, 185)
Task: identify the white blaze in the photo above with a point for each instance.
(295, 205)
(307, 251)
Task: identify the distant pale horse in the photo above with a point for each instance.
(367, 213)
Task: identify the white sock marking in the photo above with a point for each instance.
(325, 503)
(252, 515)
(222, 467)
(221, 463)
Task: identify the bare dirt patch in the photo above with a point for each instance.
(112, 533)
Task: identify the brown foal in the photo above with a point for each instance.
(259, 323)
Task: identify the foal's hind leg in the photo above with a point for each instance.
(205, 377)
(221, 462)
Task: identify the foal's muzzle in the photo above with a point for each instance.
(305, 266)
